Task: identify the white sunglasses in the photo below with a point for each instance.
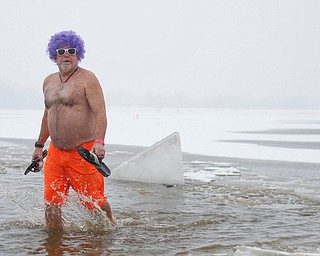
(62, 51)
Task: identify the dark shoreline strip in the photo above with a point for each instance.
(279, 144)
(285, 131)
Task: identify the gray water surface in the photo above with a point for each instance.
(273, 206)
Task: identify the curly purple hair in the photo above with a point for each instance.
(65, 39)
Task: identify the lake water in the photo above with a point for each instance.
(251, 187)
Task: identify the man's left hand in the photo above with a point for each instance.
(99, 150)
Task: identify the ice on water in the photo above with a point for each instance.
(207, 171)
(160, 163)
(202, 131)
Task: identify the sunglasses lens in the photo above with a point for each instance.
(72, 51)
(61, 52)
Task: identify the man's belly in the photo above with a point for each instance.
(69, 130)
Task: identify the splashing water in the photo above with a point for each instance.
(75, 216)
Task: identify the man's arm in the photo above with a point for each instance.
(43, 136)
(44, 130)
(94, 95)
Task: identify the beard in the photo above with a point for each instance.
(65, 66)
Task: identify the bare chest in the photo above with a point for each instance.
(62, 94)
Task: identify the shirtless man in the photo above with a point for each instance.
(74, 115)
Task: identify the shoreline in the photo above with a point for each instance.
(260, 165)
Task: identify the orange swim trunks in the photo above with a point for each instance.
(65, 168)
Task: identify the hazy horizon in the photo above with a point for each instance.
(26, 99)
(178, 53)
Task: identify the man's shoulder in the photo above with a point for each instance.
(89, 76)
(49, 78)
(86, 72)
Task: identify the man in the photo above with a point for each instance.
(74, 115)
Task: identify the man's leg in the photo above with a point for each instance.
(54, 217)
(56, 188)
(106, 207)
(86, 180)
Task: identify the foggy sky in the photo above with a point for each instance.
(188, 51)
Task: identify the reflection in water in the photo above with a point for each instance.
(64, 243)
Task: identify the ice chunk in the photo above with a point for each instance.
(161, 163)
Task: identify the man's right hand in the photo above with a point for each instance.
(38, 154)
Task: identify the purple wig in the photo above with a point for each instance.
(65, 39)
